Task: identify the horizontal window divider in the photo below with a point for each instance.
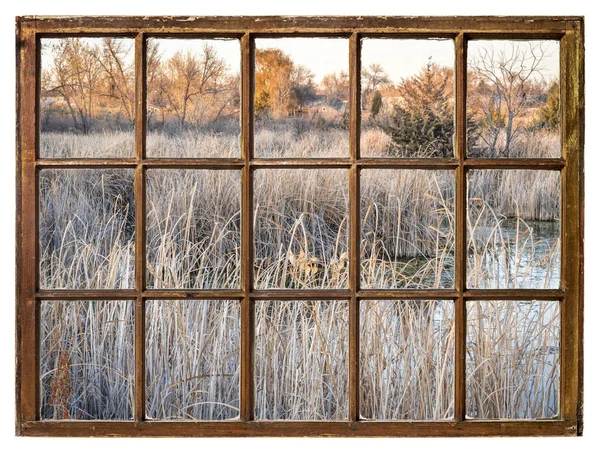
(300, 294)
(417, 163)
(85, 294)
(301, 163)
(150, 294)
(419, 294)
(86, 163)
(514, 294)
(362, 428)
(514, 163)
(194, 163)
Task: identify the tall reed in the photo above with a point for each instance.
(87, 236)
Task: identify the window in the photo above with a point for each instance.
(300, 226)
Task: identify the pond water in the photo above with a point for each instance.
(515, 254)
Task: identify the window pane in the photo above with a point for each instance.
(301, 97)
(87, 229)
(407, 228)
(301, 228)
(407, 99)
(513, 97)
(513, 229)
(86, 360)
(87, 97)
(193, 359)
(301, 360)
(193, 98)
(406, 360)
(513, 359)
(193, 231)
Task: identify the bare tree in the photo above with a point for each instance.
(120, 75)
(188, 76)
(336, 86)
(75, 76)
(501, 88)
(373, 78)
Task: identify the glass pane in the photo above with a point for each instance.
(301, 228)
(301, 360)
(513, 359)
(406, 360)
(86, 360)
(513, 229)
(193, 359)
(407, 99)
(301, 97)
(193, 232)
(87, 97)
(513, 99)
(193, 98)
(407, 228)
(87, 229)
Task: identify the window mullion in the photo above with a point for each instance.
(460, 267)
(354, 246)
(247, 313)
(140, 222)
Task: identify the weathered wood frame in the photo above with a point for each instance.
(569, 30)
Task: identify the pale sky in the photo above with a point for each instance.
(402, 58)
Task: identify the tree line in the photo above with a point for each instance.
(507, 96)
(89, 85)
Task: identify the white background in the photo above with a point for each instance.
(11, 8)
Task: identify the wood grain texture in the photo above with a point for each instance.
(247, 314)
(355, 233)
(572, 228)
(140, 232)
(301, 429)
(433, 25)
(460, 230)
(27, 372)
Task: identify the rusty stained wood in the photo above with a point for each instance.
(140, 232)
(247, 277)
(355, 233)
(27, 371)
(572, 225)
(433, 25)
(568, 29)
(460, 229)
(301, 429)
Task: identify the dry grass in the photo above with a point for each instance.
(513, 359)
(86, 360)
(301, 223)
(301, 360)
(193, 359)
(301, 228)
(407, 228)
(193, 228)
(407, 360)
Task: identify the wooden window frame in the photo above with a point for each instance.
(568, 30)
